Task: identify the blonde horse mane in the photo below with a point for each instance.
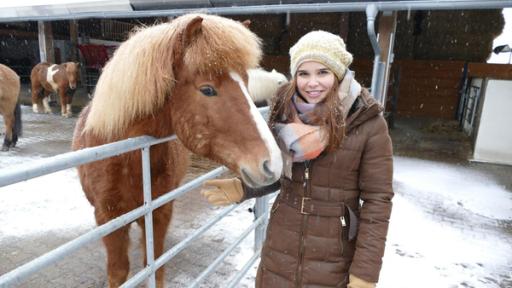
(137, 80)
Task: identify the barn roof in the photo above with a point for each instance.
(46, 10)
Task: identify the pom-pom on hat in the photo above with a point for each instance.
(322, 47)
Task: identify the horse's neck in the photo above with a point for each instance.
(156, 125)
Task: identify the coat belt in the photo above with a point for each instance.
(306, 205)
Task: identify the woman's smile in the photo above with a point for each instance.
(314, 81)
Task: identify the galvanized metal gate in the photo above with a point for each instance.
(76, 158)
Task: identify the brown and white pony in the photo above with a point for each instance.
(61, 79)
(187, 77)
(9, 106)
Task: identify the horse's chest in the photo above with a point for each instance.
(50, 77)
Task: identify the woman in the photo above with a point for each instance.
(329, 223)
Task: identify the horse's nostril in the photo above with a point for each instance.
(266, 168)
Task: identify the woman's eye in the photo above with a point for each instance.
(208, 91)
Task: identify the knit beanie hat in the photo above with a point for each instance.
(322, 47)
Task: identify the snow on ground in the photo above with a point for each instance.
(451, 225)
(49, 203)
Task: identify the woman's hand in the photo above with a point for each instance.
(223, 192)
(356, 282)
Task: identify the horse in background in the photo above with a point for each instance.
(189, 78)
(263, 85)
(46, 78)
(9, 106)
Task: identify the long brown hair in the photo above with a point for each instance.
(327, 113)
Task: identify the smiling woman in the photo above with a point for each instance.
(337, 153)
(314, 81)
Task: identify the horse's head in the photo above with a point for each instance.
(189, 77)
(279, 78)
(212, 112)
(72, 73)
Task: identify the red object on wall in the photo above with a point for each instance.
(95, 55)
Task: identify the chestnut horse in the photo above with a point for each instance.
(187, 77)
(9, 106)
(47, 78)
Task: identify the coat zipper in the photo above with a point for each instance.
(306, 185)
(343, 225)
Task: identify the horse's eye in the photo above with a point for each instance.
(208, 91)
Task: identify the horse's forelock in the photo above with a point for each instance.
(143, 65)
(225, 45)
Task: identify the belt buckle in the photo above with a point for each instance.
(302, 205)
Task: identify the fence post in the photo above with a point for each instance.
(260, 210)
(148, 218)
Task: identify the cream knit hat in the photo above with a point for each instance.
(322, 47)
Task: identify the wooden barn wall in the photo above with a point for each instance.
(496, 71)
(432, 88)
(429, 88)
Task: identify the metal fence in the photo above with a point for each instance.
(76, 158)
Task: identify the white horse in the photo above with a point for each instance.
(263, 85)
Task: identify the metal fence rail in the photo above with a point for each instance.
(71, 159)
(76, 158)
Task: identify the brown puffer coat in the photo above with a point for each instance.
(312, 248)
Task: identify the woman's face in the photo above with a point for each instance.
(314, 81)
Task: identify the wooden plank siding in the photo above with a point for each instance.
(429, 88)
(496, 71)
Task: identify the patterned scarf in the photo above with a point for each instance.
(304, 141)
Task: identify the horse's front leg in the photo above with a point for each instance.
(161, 220)
(47, 108)
(69, 99)
(65, 105)
(116, 244)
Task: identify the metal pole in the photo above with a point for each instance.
(148, 217)
(371, 14)
(276, 8)
(234, 282)
(67, 160)
(387, 69)
(226, 252)
(168, 255)
(260, 210)
(17, 275)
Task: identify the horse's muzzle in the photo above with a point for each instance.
(264, 176)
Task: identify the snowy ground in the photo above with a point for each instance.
(451, 225)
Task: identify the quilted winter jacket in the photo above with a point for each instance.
(311, 249)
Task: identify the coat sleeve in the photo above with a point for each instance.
(375, 184)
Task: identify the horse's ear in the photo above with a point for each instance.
(274, 71)
(192, 29)
(246, 23)
(185, 37)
